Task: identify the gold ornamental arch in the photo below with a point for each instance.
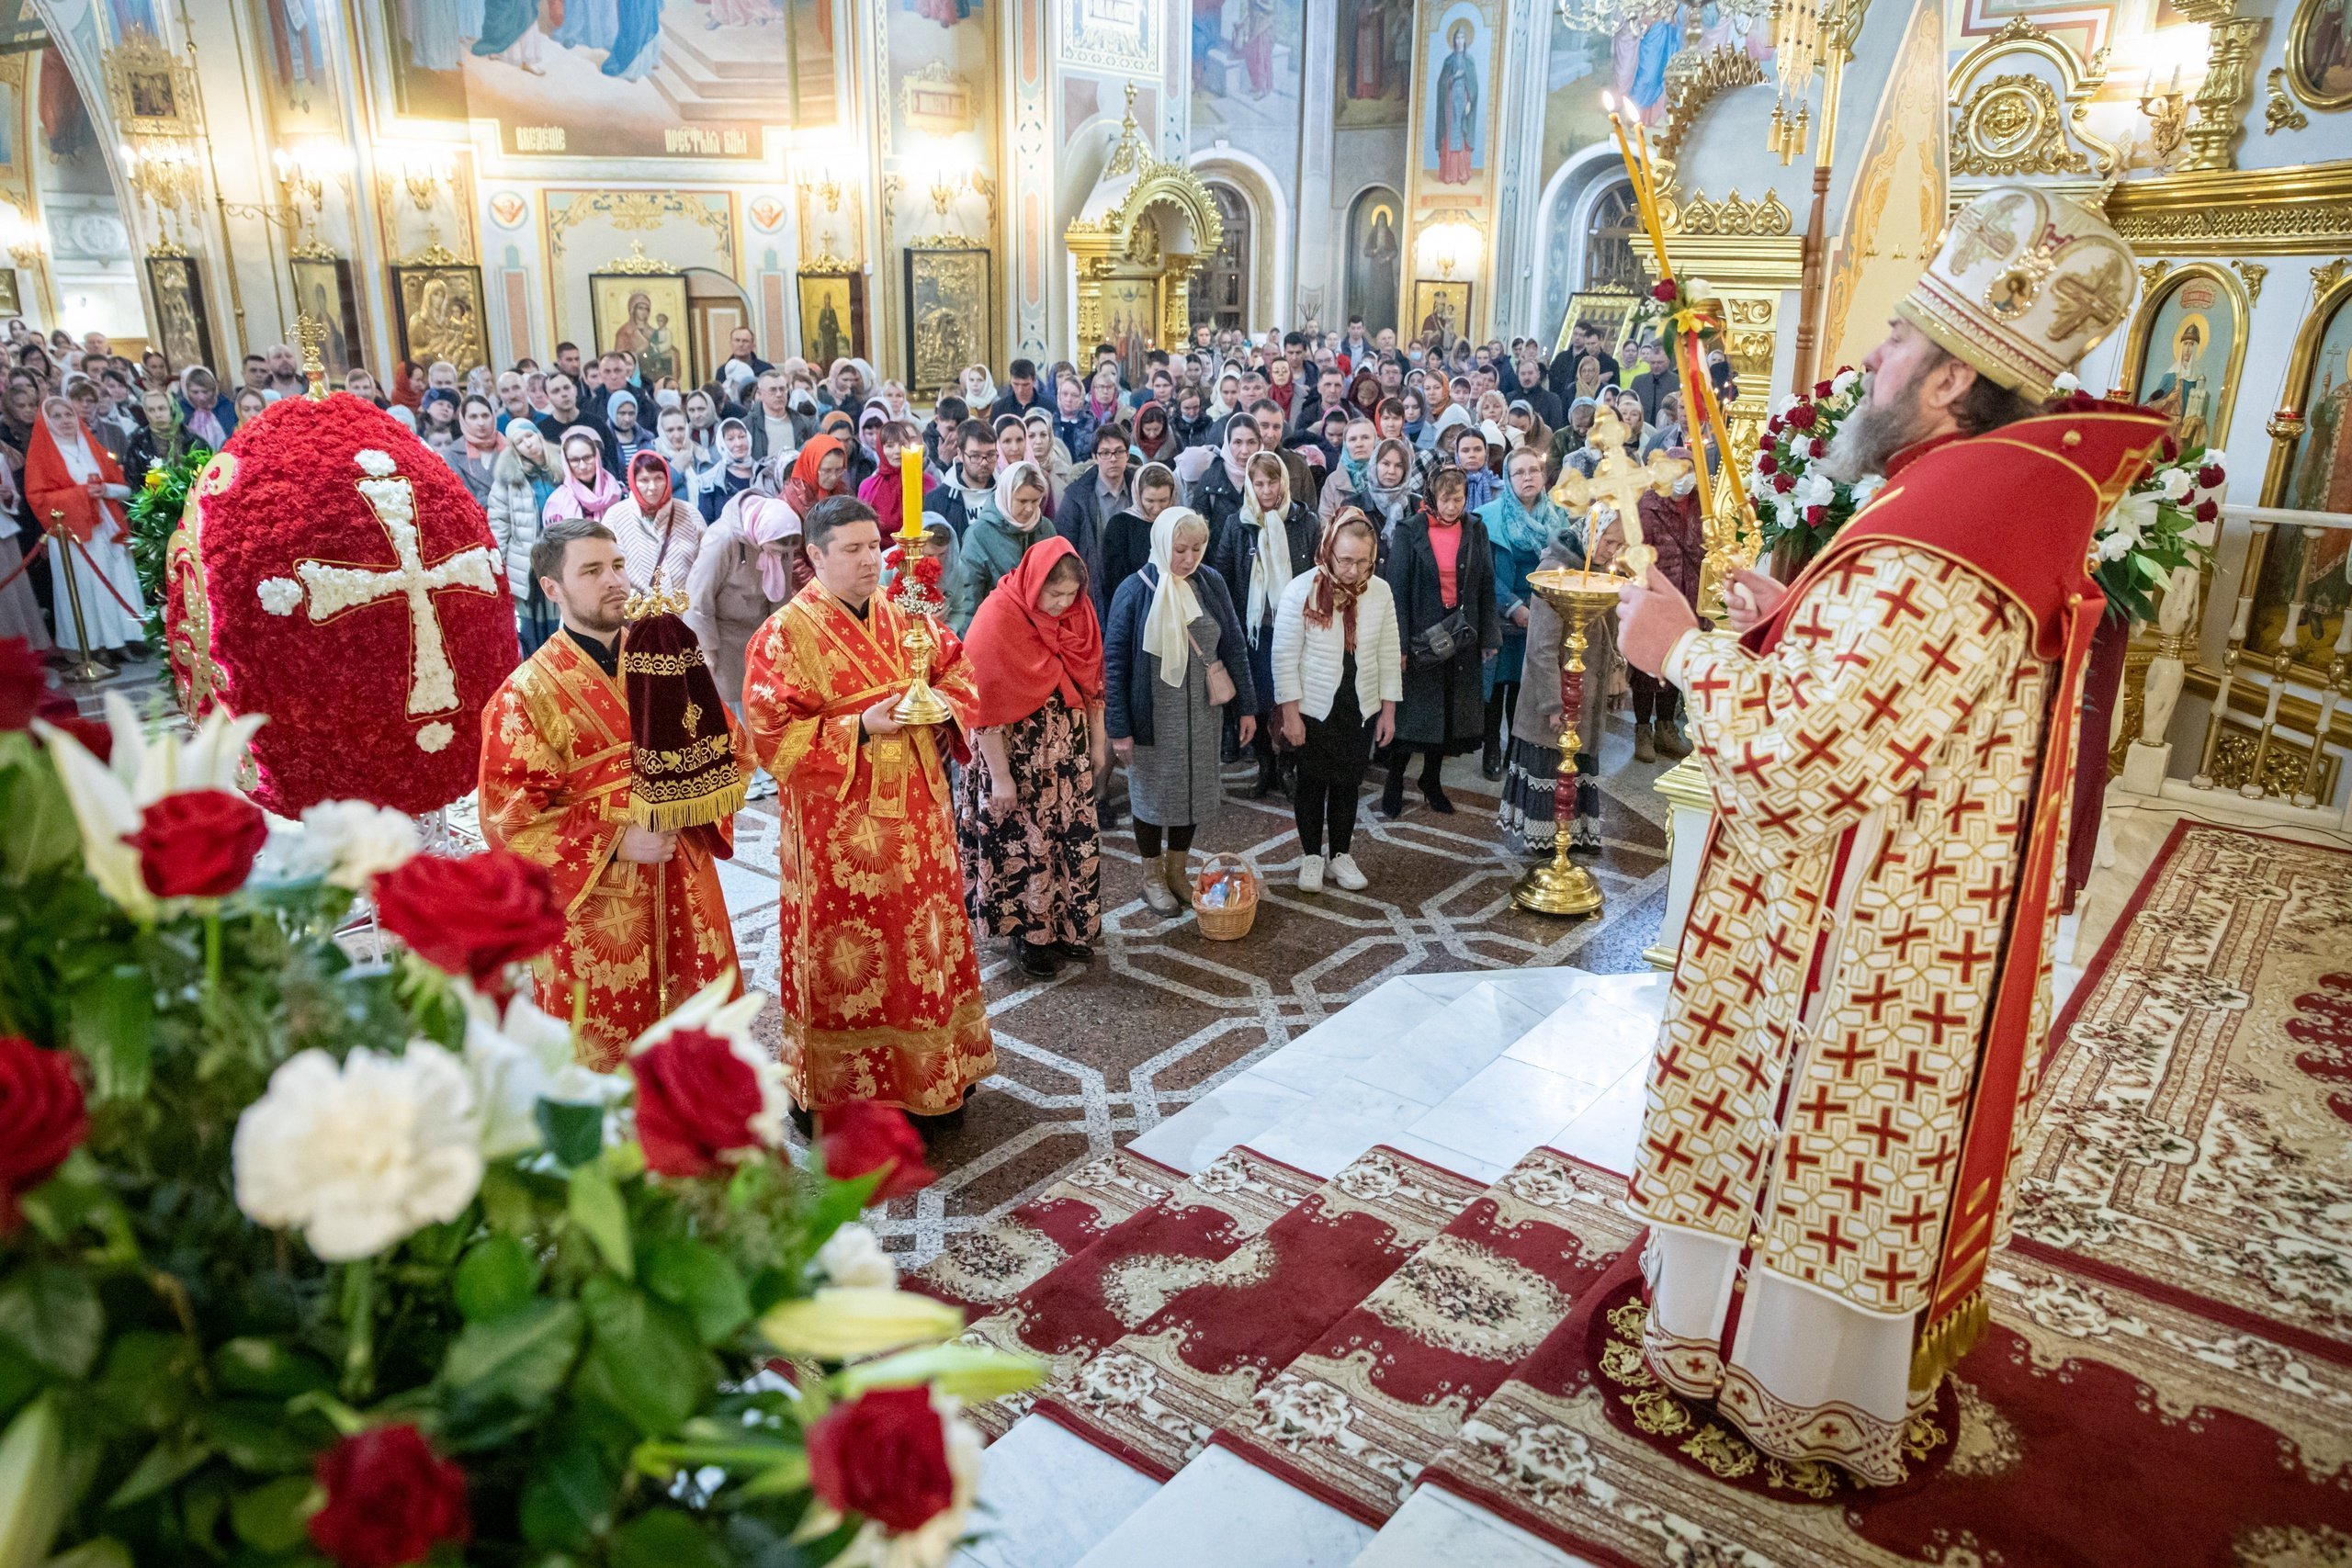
(1143, 228)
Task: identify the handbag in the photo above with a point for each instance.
(1221, 688)
(1438, 644)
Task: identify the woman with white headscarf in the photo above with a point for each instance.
(1011, 524)
(1170, 623)
(70, 480)
(1272, 539)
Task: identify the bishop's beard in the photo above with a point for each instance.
(1876, 431)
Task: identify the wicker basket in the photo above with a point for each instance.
(1232, 922)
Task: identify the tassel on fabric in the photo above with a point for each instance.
(1943, 1342)
(682, 754)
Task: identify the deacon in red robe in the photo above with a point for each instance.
(646, 924)
(76, 492)
(1862, 998)
(879, 983)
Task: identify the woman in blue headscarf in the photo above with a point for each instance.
(1520, 522)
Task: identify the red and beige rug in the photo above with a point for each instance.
(2192, 1138)
(1353, 1419)
(1154, 1397)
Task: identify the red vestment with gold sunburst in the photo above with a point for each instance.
(877, 975)
(555, 778)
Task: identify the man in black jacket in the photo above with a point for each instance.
(1097, 492)
(564, 412)
(965, 489)
(1022, 396)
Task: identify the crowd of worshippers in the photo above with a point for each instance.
(1307, 548)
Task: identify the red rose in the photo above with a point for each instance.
(1766, 464)
(1802, 416)
(1821, 388)
(470, 916)
(2211, 477)
(1785, 482)
(929, 570)
(24, 681)
(862, 1136)
(695, 1099)
(198, 844)
(391, 1499)
(42, 1118)
(1815, 515)
(2207, 510)
(1664, 291)
(64, 713)
(1773, 425)
(883, 1455)
(2169, 451)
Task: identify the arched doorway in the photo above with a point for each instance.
(1220, 285)
(1376, 233)
(58, 187)
(716, 306)
(1612, 222)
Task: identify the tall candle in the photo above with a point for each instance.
(910, 487)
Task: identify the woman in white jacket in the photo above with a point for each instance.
(1339, 675)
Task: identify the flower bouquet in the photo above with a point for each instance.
(1798, 507)
(310, 1258)
(154, 513)
(2163, 523)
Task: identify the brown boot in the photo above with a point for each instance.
(1644, 743)
(1155, 895)
(1180, 877)
(1671, 742)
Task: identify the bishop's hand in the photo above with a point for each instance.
(1752, 597)
(1652, 616)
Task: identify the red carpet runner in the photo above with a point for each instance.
(1154, 1397)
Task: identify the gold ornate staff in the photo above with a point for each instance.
(310, 332)
(84, 670)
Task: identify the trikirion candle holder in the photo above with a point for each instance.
(1562, 887)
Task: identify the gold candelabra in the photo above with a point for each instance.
(1561, 886)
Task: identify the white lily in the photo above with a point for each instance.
(2132, 517)
(349, 841)
(110, 799)
(519, 1060)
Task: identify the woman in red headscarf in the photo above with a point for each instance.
(72, 482)
(1024, 812)
(820, 473)
(660, 532)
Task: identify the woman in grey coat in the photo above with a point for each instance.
(1169, 623)
(521, 479)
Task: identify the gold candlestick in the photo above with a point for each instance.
(1564, 888)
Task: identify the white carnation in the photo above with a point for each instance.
(279, 596)
(2174, 482)
(361, 1154)
(435, 738)
(853, 1256)
(377, 463)
(1866, 487)
(1843, 382)
(2067, 381)
(519, 1060)
(1784, 402)
(2217, 457)
(1814, 489)
(349, 841)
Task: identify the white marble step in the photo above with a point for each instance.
(1222, 1509)
(1047, 1495)
(1436, 1526)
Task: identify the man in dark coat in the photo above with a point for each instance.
(1096, 493)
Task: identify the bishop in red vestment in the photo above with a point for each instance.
(879, 983)
(646, 925)
(1862, 998)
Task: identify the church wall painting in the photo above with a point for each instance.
(2185, 350)
(1458, 65)
(2319, 478)
(2319, 53)
(438, 312)
(323, 290)
(703, 81)
(1375, 64)
(296, 56)
(950, 314)
(1247, 83)
(1630, 60)
(644, 314)
(1375, 254)
(833, 316)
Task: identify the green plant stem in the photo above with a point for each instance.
(212, 960)
(359, 1330)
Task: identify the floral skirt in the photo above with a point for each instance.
(1035, 871)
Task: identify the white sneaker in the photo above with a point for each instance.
(1348, 875)
(1310, 873)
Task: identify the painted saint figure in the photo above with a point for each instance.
(1454, 138)
(2185, 391)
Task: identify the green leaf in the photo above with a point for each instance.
(255, 1434)
(698, 1277)
(645, 1360)
(575, 1133)
(265, 1366)
(163, 1466)
(145, 1380)
(665, 1538)
(569, 1503)
(496, 1277)
(104, 1552)
(110, 1020)
(504, 1371)
(52, 1312)
(595, 1206)
(41, 835)
(275, 1515)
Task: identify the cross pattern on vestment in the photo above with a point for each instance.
(336, 587)
(1617, 483)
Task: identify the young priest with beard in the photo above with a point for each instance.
(646, 925)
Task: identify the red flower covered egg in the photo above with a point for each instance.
(333, 573)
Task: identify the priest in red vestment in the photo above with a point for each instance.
(1862, 998)
(879, 983)
(646, 924)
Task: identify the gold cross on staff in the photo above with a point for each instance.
(1618, 483)
(312, 332)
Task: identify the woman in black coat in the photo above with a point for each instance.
(1256, 584)
(1444, 708)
